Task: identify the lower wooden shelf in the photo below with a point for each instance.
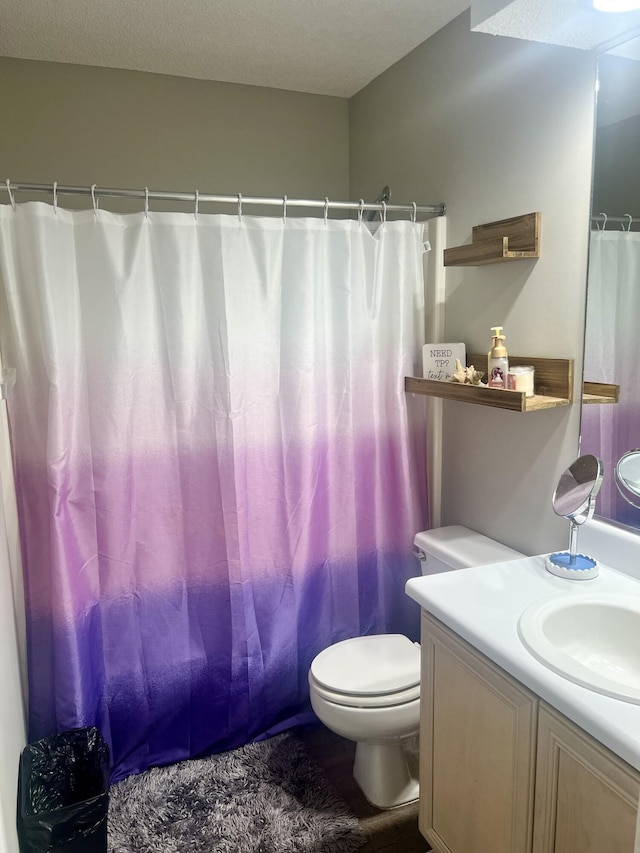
(600, 392)
(553, 384)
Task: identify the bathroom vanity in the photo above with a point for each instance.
(514, 756)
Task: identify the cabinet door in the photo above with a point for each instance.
(586, 797)
(477, 750)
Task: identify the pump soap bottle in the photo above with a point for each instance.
(498, 360)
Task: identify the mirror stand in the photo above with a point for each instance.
(575, 500)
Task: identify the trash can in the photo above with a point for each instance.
(63, 793)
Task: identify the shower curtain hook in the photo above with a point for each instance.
(146, 202)
(360, 211)
(604, 222)
(414, 215)
(284, 209)
(326, 209)
(55, 197)
(630, 218)
(384, 212)
(195, 212)
(240, 206)
(95, 201)
(12, 198)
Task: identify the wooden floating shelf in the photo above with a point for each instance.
(553, 384)
(494, 242)
(600, 392)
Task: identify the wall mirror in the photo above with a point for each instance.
(611, 406)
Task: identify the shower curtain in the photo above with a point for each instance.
(612, 354)
(218, 471)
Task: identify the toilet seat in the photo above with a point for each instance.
(359, 700)
(377, 671)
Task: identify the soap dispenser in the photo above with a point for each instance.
(498, 360)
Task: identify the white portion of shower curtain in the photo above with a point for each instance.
(612, 355)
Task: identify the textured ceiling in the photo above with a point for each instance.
(332, 47)
(572, 23)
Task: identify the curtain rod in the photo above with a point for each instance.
(148, 195)
(604, 217)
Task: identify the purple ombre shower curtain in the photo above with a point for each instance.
(218, 470)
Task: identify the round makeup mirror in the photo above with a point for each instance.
(627, 477)
(575, 494)
(575, 500)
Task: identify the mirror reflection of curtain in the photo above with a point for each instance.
(218, 471)
(613, 355)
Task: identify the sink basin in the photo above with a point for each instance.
(593, 640)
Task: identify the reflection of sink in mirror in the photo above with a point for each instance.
(590, 639)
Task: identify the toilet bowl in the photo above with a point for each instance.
(367, 689)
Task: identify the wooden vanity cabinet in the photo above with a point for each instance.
(586, 798)
(477, 750)
(502, 772)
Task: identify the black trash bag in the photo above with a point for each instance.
(63, 793)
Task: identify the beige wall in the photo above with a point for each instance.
(495, 127)
(81, 125)
(13, 654)
(13, 729)
(616, 187)
(616, 179)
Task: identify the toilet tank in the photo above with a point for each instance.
(457, 547)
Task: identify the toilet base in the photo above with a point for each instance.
(385, 774)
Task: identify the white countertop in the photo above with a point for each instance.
(483, 605)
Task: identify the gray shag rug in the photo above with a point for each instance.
(266, 797)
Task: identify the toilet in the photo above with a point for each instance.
(367, 689)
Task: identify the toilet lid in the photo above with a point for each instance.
(365, 666)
